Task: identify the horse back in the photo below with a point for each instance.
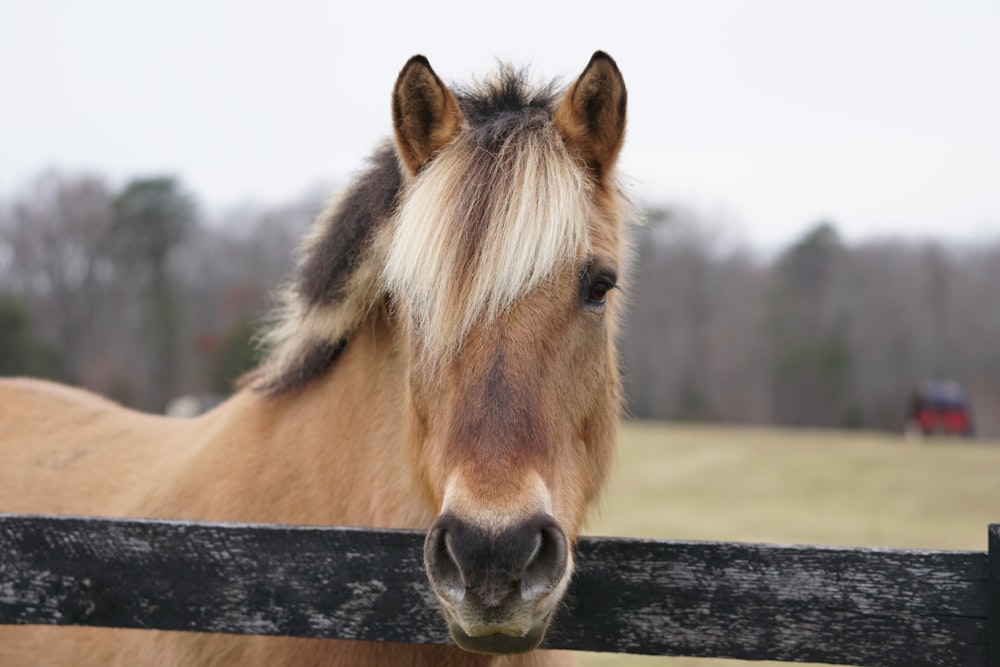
(66, 451)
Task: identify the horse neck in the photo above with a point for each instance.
(331, 453)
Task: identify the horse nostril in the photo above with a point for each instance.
(547, 565)
(442, 567)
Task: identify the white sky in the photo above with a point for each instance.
(882, 115)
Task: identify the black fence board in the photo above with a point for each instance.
(763, 602)
(210, 577)
(993, 625)
(843, 606)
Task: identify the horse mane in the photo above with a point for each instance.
(462, 239)
(334, 283)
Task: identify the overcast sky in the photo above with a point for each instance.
(881, 115)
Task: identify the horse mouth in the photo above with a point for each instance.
(497, 643)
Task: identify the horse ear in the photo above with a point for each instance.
(592, 114)
(425, 114)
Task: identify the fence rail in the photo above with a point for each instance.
(879, 607)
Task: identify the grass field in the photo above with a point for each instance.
(795, 486)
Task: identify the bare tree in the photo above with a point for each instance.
(692, 344)
(54, 231)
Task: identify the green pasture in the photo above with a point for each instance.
(795, 486)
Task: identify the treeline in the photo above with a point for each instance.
(139, 294)
(134, 292)
(825, 334)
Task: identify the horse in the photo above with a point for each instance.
(443, 358)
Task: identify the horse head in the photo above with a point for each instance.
(500, 268)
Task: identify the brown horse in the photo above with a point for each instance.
(444, 359)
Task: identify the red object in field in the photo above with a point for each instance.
(940, 408)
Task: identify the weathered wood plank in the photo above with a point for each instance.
(209, 577)
(844, 606)
(763, 602)
(993, 624)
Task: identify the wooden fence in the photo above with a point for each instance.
(880, 607)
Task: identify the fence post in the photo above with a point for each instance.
(993, 605)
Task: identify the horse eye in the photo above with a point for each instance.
(598, 292)
(595, 283)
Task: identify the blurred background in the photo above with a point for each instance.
(817, 264)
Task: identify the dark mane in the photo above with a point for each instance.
(504, 103)
(328, 263)
(508, 91)
(340, 240)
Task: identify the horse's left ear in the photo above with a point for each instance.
(425, 114)
(592, 114)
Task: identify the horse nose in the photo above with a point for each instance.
(521, 563)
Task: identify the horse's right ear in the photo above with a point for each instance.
(425, 114)
(592, 114)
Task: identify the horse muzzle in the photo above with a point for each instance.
(498, 588)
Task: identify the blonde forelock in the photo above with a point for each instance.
(478, 228)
